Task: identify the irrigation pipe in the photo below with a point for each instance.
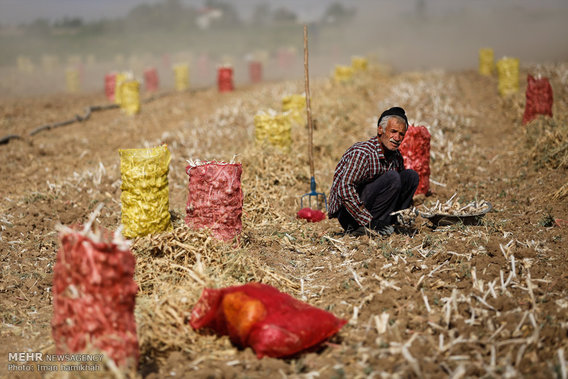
(4, 140)
(78, 118)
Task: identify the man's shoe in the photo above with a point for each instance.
(385, 230)
(360, 231)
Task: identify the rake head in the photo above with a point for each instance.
(318, 198)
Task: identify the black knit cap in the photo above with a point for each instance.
(394, 111)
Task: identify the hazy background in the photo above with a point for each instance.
(45, 36)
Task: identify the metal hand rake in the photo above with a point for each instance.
(313, 194)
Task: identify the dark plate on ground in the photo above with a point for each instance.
(443, 219)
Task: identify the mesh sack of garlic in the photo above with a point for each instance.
(215, 197)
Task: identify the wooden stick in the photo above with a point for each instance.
(308, 106)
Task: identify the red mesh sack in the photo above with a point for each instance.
(539, 98)
(166, 60)
(215, 198)
(312, 215)
(203, 66)
(285, 58)
(259, 316)
(225, 79)
(415, 150)
(94, 294)
(151, 79)
(255, 71)
(110, 85)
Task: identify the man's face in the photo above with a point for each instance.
(392, 136)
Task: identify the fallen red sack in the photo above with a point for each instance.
(415, 150)
(94, 295)
(312, 215)
(259, 316)
(539, 98)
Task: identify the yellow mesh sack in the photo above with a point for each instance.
(181, 73)
(145, 196)
(342, 73)
(72, 80)
(25, 64)
(296, 106)
(121, 77)
(486, 64)
(508, 71)
(273, 128)
(130, 93)
(359, 64)
(49, 62)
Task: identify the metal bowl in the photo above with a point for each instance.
(444, 219)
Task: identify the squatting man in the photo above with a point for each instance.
(370, 181)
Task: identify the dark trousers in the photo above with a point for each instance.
(389, 193)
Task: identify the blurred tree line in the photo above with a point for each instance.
(163, 27)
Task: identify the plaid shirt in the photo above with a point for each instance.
(361, 164)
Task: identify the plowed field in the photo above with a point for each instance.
(486, 300)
